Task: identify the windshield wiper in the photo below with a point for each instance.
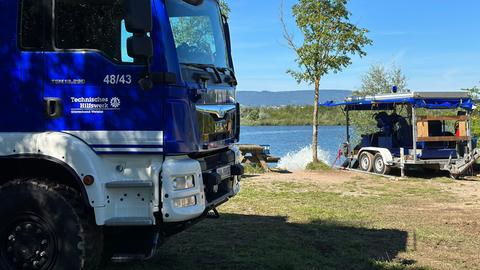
(206, 67)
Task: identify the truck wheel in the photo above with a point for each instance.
(379, 165)
(46, 226)
(366, 162)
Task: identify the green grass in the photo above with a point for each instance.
(253, 169)
(363, 223)
(318, 166)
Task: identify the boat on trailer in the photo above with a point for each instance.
(415, 129)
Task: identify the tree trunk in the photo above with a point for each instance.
(315, 122)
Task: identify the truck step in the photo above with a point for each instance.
(129, 184)
(129, 221)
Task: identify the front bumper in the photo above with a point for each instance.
(212, 186)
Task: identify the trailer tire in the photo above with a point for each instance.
(379, 165)
(46, 226)
(365, 162)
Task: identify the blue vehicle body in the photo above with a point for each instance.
(32, 77)
(116, 104)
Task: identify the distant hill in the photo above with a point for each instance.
(303, 97)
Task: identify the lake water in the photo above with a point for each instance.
(293, 143)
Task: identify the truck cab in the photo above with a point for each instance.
(118, 118)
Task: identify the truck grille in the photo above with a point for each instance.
(218, 123)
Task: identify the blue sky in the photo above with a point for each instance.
(435, 42)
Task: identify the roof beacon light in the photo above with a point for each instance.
(394, 89)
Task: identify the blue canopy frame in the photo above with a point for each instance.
(390, 104)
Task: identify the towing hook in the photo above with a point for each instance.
(213, 214)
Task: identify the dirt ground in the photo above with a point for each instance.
(450, 206)
(335, 220)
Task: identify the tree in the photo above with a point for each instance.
(225, 8)
(379, 80)
(474, 91)
(329, 42)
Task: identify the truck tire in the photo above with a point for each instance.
(365, 162)
(379, 165)
(46, 226)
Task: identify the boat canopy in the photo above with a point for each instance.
(428, 100)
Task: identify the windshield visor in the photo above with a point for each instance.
(198, 33)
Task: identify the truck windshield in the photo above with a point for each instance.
(198, 33)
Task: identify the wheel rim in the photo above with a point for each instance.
(28, 242)
(365, 162)
(379, 165)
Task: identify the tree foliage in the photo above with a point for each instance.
(329, 39)
(290, 116)
(193, 31)
(379, 80)
(225, 8)
(474, 91)
(329, 42)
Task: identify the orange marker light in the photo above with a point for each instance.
(88, 180)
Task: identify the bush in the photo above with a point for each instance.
(318, 166)
(290, 116)
(253, 169)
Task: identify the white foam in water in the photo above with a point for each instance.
(298, 160)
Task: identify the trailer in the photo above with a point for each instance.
(415, 129)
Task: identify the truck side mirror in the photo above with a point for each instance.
(139, 21)
(140, 47)
(138, 16)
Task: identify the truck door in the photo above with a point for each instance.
(21, 65)
(91, 84)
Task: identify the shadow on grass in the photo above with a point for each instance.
(261, 242)
(420, 173)
(429, 174)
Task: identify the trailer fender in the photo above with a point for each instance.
(386, 154)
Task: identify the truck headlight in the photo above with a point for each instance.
(185, 202)
(183, 182)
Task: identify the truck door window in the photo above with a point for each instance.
(89, 24)
(32, 22)
(125, 36)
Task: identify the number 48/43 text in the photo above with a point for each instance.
(118, 79)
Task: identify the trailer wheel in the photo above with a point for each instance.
(379, 165)
(46, 226)
(366, 162)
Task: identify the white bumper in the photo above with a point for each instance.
(174, 167)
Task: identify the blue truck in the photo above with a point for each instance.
(117, 127)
